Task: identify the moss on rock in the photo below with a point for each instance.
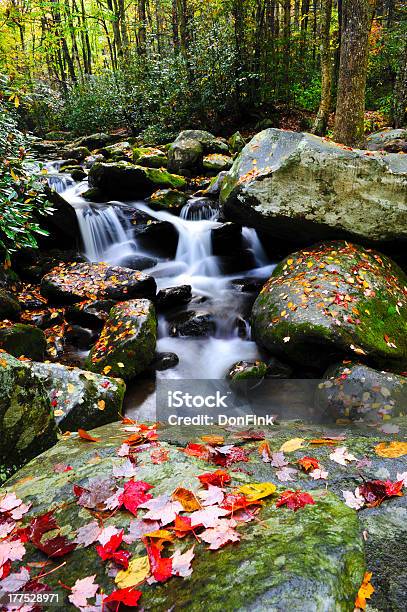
(23, 340)
(149, 157)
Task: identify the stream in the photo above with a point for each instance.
(108, 235)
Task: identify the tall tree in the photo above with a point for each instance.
(350, 108)
(321, 120)
(400, 93)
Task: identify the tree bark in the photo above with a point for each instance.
(400, 93)
(350, 108)
(321, 120)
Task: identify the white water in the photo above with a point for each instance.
(107, 236)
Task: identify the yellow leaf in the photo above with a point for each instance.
(136, 573)
(186, 498)
(161, 534)
(101, 404)
(120, 364)
(213, 439)
(257, 490)
(13, 174)
(107, 369)
(391, 450)
(292, 445)
(70, 388)
(365, 592)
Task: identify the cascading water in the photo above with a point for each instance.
(199, 209)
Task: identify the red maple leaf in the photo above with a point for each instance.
(182, 526)
(308, 464)
(57, 546)
(294, 500)
(236, 502)
(234, 455)
(197, 450)
(161, 568)
(135, 494)
(128, 597)
(217, 479)
(109, 551)
(376, 491)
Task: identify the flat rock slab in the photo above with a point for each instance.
(76, 282)
(301, 188)
(80, 399)
(334, 300)
(309, 560)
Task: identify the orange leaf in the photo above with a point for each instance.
(365, 592)
(213, 440)
(86, 436)
(187, 499)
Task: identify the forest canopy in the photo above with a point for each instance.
(155, 66)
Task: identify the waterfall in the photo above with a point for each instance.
(198, 209)
(253, 241)
(104, 233)
(60, 182)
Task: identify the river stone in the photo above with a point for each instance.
(216, 162)
(215, 186)
(301, 188)
(94, 141)
(171, 200)
(9, 307)
(236, 142)
(122, 179)
(70, 283)
(392, 141)
(149, 157)
(77, 153)
(116, 152)
(184, 154)
(80, 399)
(333, 300)
(127, 343)
(247, 370)
(192, 323)
(62, 225)
(23, 340)
(355, 391)
(171, 297)
(26, 423)
(92, 313)
(311, 560)
(209, 142)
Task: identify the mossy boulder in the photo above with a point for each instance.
(77, 153)
(27, 426)
(149, 157)
(23, 340)
(247, 370)
(209, 142)
(300, 188)
(354, 391)
(168, 199)
(307, 560)
(94, 141)
(185, 154)
(217, 162)
(9, 307)
(127, 343)
(80, 399)
(116, 152)
(76, 282)
(236, 142)
(125, 180)
(333, 300)
(215, 186)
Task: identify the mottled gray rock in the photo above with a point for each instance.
(392, 141)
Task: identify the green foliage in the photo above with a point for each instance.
(22, 196)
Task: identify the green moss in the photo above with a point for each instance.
(21, 339)
(163, 178)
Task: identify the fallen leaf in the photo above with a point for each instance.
(82, 590)
(181, 563)
(391, 450)
(212, 495)
(218, 478)
(213, 440)
(292, 445)
(207, 516)
(88, 534)
(136, 573)
(86, 436)
(186, 498)
(286, 473)
(161, 567)
(220, 534)
(341, 456)
(128, 597)
(354, 500)
(294, 500)
(162, 509)
(365, 592)
(256, 491)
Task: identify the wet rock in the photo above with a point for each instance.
(122, 179)
(149, 157)
(215, 186)
(70, 283)
(309, 560)
(168, 199)
(92, 159)
(62, 224)
(236, 142)
(159, 236)
(198, 208)
(392, 141)
(67, 162)
(26, 423)
(216, 162)
(165, 361)
(354, 391)
(78, 174)
(95, 195)
(173, 297)
(239, 261)
(23, 340)
(43, 318)
(9, 307)
(127, 343)
(92, 313)
(80, 399)
(81, 337)
(94, 141)
(248, 285)
(184, 154)
(192, 323)
(226, 239)
(138, 262)
(247, 370)
(77, 153)
(117, 152)
(32, 264)
(303, 188)
(277, 369)
(209, 142)
(332, 300)
(71, 168)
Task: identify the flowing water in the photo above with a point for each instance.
(107, 235)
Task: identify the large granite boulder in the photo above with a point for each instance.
(188, 149)
(334, 300)
(94, 141)
(311, 560)
(300, 188)
(353, 391)
(76, 282)
(127, 343)
(122, 179)
(80, 399)
(27, 426)
(392, 141)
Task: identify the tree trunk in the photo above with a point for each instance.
(350, 108)
(287, 48)
(321, 120)
(400, 93)
(142, 17)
